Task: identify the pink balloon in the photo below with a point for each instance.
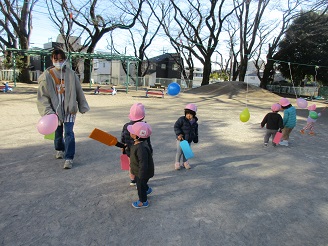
(312, 107)
(47, 124)
(302, 103)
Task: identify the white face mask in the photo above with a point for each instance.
(59, 65)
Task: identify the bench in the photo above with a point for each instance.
(155, 92)
(103, 90)
(106, 90)
(158, 86)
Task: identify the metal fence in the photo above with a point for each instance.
(299, 91)
(142, 82)
(8, 75)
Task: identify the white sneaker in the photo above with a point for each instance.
(284, 143)
(68, 164)
(60, 155)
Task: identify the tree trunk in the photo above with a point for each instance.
(24, 75)
(206, 72)
(267, 74)
(235, 71)
(86, 73)
(243, 68)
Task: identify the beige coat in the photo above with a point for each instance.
(47, 99)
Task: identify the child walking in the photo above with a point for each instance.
(273, 122)
(289, 120)
(137, 114)
(141, 161)
(312, 118)
(185, 128)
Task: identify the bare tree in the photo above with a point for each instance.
(232, 28)
(16, 26)
(176, 42)
(147, 29)
(92, 23)
(250, 20)
(198, 26)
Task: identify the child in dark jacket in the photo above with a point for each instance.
(137, 114)
(186, 128)
(273, 122)
(141, 161)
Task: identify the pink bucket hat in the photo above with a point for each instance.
(275, 107)
(137, 112)
(284, 102)
(312, 107)
(141, 129)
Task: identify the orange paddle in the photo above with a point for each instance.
(105, 138)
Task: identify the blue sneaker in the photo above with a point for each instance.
(149, 191)
(137, 204)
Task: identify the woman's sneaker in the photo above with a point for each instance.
(59, 155)
(68, 164)
(139, 204)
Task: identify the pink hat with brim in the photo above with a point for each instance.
(141, 129)
(275, 107)
(137, 112)
(284, 102)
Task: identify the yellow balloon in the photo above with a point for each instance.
(244, 115)
(246, 111)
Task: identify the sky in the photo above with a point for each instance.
(45, 31)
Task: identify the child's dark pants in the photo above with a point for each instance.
(142, 187)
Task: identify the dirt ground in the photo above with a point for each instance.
(237, 192)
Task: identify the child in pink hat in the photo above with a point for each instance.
(273, 122)
(289, 120)
(185, 128)
(312, 118)
(137, 114)
(141, 161)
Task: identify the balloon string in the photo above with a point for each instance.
(291, 78)
(246, 90)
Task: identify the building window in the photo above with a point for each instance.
(175, 67)
(163, 66)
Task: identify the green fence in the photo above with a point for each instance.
(323, 92)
